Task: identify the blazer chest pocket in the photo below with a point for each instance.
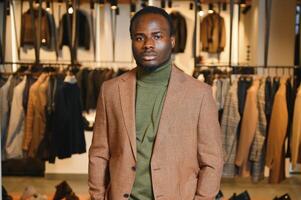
(188, 189)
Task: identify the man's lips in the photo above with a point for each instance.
(148, 57)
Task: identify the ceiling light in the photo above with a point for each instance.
(113, 4)
(200, 10)
(70, 10)
(210, 8)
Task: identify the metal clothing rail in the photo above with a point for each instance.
(248, 66)
(33, 63)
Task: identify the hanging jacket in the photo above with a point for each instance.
(68, 125)
(180, 29)
(229, 126)
(213, 33)
(83, 32)
(296, 131)
(257, 152)
(34, 124)
(248, 129)
(47, 29)
(276, 136)
(4, 114)
(15, 133)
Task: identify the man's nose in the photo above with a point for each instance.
(149, 43)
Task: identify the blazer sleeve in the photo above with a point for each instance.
(248, 128)
(99, 154)
(223, 35)
(210, 156)
(203, 35)
(183, 34)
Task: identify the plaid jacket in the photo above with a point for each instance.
(257, 152)
(229, 125)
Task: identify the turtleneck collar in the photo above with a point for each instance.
(157, 77)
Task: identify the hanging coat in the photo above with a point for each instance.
(276, 136)
(213, 33)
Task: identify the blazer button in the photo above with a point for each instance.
(126, 195)
(134, 168)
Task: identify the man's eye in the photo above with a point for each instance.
(157, 37)
(139, 38)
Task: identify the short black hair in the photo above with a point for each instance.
(152, 10)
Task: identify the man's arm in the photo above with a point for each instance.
(210, 154)
(99, 153)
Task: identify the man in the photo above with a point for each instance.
(156, 131)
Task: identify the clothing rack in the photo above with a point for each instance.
(246, 69)
(95, 64)
(247, 66)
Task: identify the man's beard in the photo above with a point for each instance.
(150, 69)
(153, 68)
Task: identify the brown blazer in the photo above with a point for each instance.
(213, 33)
(187, 155)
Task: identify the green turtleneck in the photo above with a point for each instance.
(151, 90)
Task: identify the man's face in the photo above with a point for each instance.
(151, 41)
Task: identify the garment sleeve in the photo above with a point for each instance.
(248, 128)
(23, 29)
(203, 34)
(228, 136)
(210, 156)
(87, 38)
(260, 135)
(296, 132)
(29, 121)
(99, 154)
(277, 129)
(183, 34)
(223, 35)
(60, 34)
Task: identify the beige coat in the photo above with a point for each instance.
(248, 129)
(187, 156)
(276, 136)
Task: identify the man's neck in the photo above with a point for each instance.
(160, 74)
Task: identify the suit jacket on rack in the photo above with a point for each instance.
(82, 32)
(47, 29)
(187, 156)
(213, 33)
(230, 121)
(257, 154)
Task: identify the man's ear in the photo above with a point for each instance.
(173, 41)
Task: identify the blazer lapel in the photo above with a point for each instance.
(175, 94)
(127, 91)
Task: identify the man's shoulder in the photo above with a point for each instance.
(192, 83)
(113, 82)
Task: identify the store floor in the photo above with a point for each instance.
(259, 191)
